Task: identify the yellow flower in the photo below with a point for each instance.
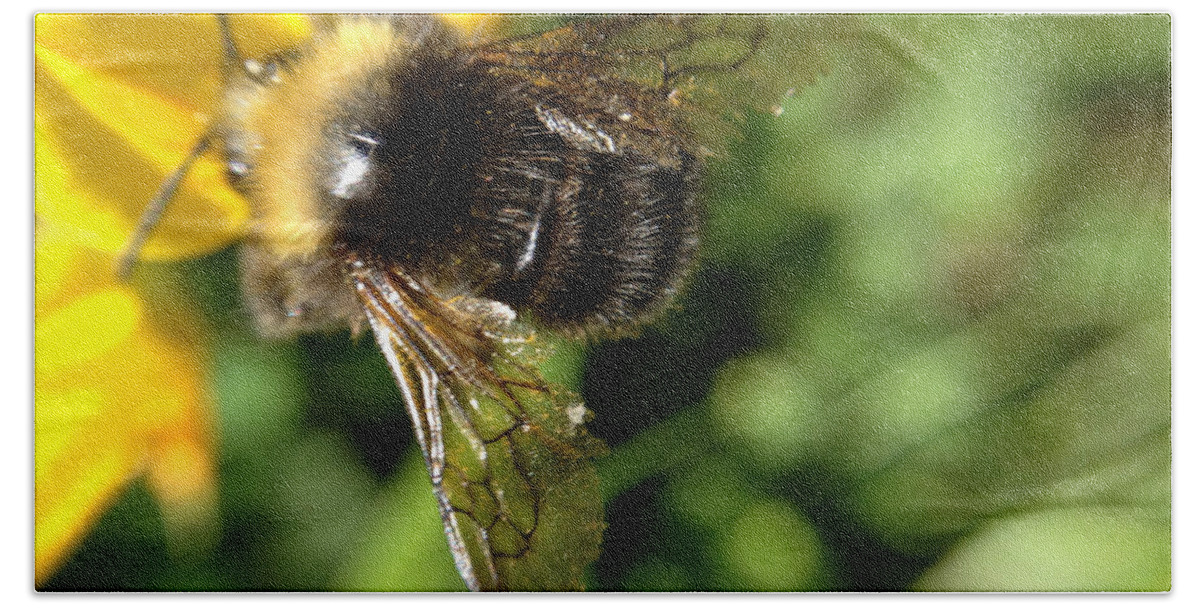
(119, 102)
(115, 397)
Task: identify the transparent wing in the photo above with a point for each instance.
(507, 453)
(716, 66)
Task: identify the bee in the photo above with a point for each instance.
(448, 191)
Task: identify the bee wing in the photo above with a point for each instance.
(717, 66)
(506, 452)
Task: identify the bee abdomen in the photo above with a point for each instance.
(614, 244)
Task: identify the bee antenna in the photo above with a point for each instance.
(156, 206)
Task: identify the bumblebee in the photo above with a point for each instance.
(449, 190)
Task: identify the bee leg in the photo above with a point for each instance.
(156, 206)
(232, 59)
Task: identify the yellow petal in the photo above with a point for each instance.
(126, 401)
(182, 466)
(84, 330)
(76, 475)
(103, 147)
(259, 35)
(68, 215)
(182, 477)
(160, 131)
(52, 261)
(174, 55)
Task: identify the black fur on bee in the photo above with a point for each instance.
(476, 179)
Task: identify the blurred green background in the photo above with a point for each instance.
(928, 347)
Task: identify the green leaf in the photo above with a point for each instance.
(1083, 549)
